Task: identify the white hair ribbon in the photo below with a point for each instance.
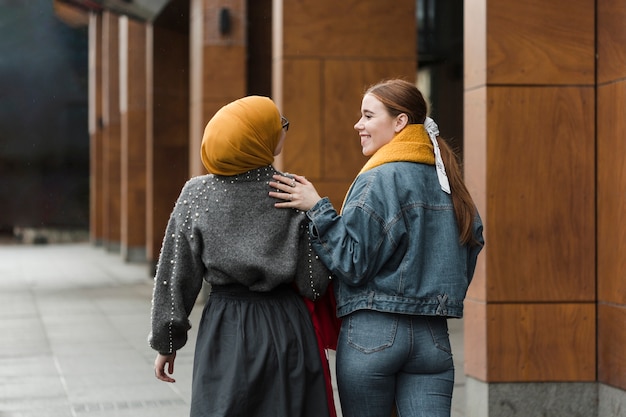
(433, 131)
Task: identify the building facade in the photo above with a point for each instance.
(543, 125)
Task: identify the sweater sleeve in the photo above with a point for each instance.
(177, 282)
(312, 276)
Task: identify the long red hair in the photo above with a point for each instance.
(400, 96)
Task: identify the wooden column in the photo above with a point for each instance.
(95, 130)
(325, 53)
(611, 184)
(530, 327)
(111, 135)
(218, 66)
(133, 100)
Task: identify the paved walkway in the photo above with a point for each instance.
(74, 321)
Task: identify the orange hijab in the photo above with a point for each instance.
(241, 136)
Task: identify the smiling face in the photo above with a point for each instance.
(376, 126)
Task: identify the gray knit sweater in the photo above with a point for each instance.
(226, 230)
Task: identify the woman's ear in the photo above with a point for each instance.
(401, 121)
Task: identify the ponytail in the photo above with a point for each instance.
(400, 96)
(464, 207)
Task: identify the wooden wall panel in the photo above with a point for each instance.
(611, 342)
(224, 55)
(553, 204)
(539, 42)
(541, 194)
(209, 108)
(303, 146)
(224, 72)
(218, 67)
(349, 28)
(611, 192)
(324, 57)
(611, 40)
(344, 85)
(238, 22)
(223, 81)
(541, 342)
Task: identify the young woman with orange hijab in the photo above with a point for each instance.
(403, 249)
(256, 350)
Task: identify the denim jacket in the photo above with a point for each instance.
(395, 247)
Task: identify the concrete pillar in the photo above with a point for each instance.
(530, 115)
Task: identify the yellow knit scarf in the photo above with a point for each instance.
(412, 144)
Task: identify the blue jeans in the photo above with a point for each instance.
(382, 358)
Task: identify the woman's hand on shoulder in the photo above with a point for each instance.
(294, 192)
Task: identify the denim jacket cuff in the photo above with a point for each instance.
(319, 207)
(318, 211)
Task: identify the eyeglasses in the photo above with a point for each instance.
(284, 122)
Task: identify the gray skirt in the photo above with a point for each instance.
(256, 355)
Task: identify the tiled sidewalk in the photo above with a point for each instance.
(74, 325)
(74, 321)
